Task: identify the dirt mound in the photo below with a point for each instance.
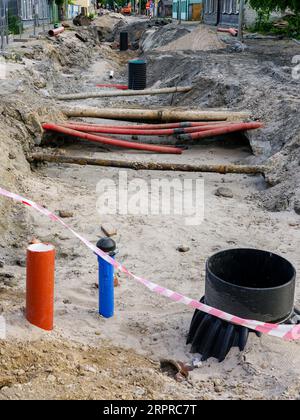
(200, 39)
(81, 372)
(259, 80)
(158, 37)
(106, 24)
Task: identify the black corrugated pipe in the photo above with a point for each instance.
(137, 78)
(250, 284)
(123, 41)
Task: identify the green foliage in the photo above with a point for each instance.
(264, 8)
(273, 5)
(15, 25)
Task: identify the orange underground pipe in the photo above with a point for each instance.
(113, 86)
(142, 132)
(222, 130)
(110, 141)
(57, 31)
(231, 31)
(40, 285)
(73, 124)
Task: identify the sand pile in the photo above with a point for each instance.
(200, 39)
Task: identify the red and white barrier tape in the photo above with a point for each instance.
(287, 332)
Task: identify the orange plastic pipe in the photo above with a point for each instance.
(57, 31)
(107, 85)
(40, 285)
(141, 132)
(114, 142)
(231, 31)
(222, 130)
(72, 124)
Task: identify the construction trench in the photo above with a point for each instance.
(135, 354)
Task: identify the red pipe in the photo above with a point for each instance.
(220, 131)
(107, 85)
(112, 142)
(72, 124)
(231, 31)
(140, 132)
(57, 31)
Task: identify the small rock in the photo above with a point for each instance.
(21, 372)
(67, 301)
(219, 389)
(21, 263)
(179, 377)
(64, 214)
(1, 264)
(11, 156)
(197, 362)
(183, 248)
(297, 207)
(88, 368)
(139, 391)
(51, 378)
(224, 192)
(8, 279)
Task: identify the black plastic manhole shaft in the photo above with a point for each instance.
(123, 41)
(137, 70)
(248, 283)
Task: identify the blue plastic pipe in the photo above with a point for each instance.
(106, 288)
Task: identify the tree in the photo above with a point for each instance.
(264, 8)
(273, 5)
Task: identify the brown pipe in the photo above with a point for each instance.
(159, 115)
(116, 93)
(138, 165)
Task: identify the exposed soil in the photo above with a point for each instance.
(119, 358)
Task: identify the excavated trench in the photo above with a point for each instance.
(221, 79)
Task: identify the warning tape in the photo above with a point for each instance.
(286, 332)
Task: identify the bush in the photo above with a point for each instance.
(15, 25)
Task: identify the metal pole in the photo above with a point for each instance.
(179, 12)
(6, 23)
(43, 13)
(241, 20)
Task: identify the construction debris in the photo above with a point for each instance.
(109, 230)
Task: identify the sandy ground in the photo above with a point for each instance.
(150, 324)
(146, 327)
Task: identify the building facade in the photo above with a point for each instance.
(215, 12)
(3, 24)
(187, 9)
(29, 10)
(164, 8)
